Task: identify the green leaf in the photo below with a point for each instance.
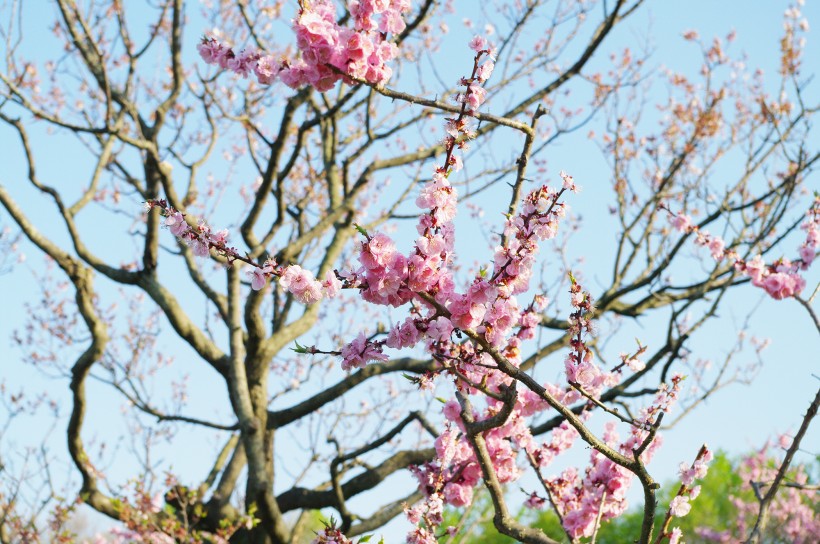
(361, 230)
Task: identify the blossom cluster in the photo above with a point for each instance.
(679, 506)
(455, 472)
(583, 502)
(329, 51)
(475, 93)
(300, 282)
(489, 311)
(388, 277)
(780, 279)
(426, 516)
(199, 237)
(581, 371)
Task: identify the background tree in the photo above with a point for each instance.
(295, 157)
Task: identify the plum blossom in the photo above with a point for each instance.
(440, 197)
(377, 252)
(632, 361)
(331, 285)
(478, 43)
(485, 71)
(680, 506)
(681, 222)
(474, 97)
(328, 52)
(569, 182)
(358, 352)
(266, 69)
(301, 283)
(716, 247)
(535, 502)
(782, 285)
(153, 537)
(176, 224)
(404, 335)
(675, 536)
(781, 279)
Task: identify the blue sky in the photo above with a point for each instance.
(737, 419)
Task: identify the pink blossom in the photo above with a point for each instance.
(675, 536)
(680, 506)
(681, 222)
(529, 321)
(756, 269)
(687, 474)
(807, 254)
(377, 252)
(435, 508)
(331, 284)
(780, 285)
(452, 410)
(535, 502)
(176, 224)
(530, 402)
(423, 273)
(403, 336)
(258, 279)
(392, 22)
(440, 329)
(331, 535)
(213, 52)
(701, 468)
(446, 446)
(440, 196)
(244, 63)
(413, 515)
(301, 284)
(478, 43)
(431, 245)
(485, 71)
(458, 495)
(568, 182)
(200, 247)
(465, 312)
(329, 52)
(474, 96)
(266, 69)
(584, 374)
(716, 246)
(388, 285)
(358, 352)
(420, 535)
(220, 238)
(578, 523)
